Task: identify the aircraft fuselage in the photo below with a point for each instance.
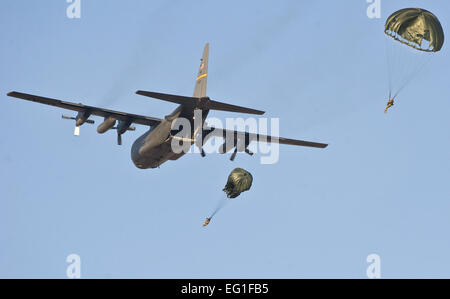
(154, 147)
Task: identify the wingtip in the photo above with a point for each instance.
(11, 93)
(141, 92)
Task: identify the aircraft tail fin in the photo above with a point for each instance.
(204, 103)
(200, 100)
(201, 80)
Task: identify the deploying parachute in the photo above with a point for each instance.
(239, 180)
(414, 35)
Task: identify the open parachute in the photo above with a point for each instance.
(413, 35)
(417, 28)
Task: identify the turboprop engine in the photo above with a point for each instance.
(106, 125)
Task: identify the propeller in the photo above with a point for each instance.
(122, 127)
(206, 134)
(200, 146)
(244, 147)
(80, 119)
(234, 154)
(67, 117)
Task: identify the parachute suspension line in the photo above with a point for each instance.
(413, 75)
(219, 207)
(397, 66)
(404, 65)
(389, 68)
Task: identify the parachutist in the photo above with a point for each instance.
(390, 103)
(207, 221)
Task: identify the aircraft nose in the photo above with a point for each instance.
(147, 146)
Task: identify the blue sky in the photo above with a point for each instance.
(320, 66)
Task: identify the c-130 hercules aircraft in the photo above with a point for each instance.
(154, 148)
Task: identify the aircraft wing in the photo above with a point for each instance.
(134, 118)
(218, 132)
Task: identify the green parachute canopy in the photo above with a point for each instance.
(417, 28)
(239, 180)
(413, 37)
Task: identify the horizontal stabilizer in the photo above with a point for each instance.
(233, 108)
(199, 103)
(182, 100)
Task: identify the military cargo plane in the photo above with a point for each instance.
(154, 148)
